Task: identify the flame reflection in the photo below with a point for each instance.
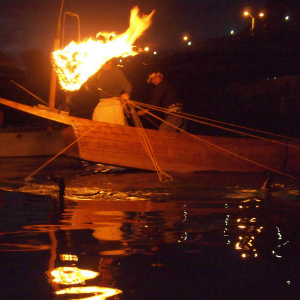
(105, 292)
(72, 275)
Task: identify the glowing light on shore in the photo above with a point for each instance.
(78, 61)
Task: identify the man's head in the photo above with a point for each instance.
(155, 78)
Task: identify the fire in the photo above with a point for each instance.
(78, 61)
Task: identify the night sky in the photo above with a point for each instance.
(31, 24)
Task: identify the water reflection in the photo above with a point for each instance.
(257, 231)
(152, 244)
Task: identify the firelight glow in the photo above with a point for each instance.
(72, 275)
(78, 61)
(102, 293)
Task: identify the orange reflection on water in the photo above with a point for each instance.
(72, 275)
(105, 292)
(68, 257)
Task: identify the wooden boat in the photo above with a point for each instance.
(25, 142)
(178, 152)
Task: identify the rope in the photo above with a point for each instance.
(29, 177)
(146, 143)
(238, 126)
(213, 145)
(185, 116)
(30, 93)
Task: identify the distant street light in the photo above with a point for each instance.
(246, 13)
(186, 38)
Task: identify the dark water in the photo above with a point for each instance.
(208, 235)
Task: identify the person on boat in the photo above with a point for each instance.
(164, 95)
(113, 89)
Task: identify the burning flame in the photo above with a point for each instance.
(77, 62)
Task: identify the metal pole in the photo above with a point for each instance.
(52, 91)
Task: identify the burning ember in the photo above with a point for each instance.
(78, 61)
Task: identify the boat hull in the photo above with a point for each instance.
(120, 145)
(179, 152)
(30, 143)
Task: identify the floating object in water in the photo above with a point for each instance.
(268, 182)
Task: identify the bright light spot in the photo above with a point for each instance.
(288, 282)
(70, 275)
(279, 234)
(261, 14)
(68, 257)
(237, 246)
(105, 292)
(146, 49)
(246, 13)
(154, 52)
(232, 32)
(189, 43)
(185, 38)
(287, 18)
(77, 62)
